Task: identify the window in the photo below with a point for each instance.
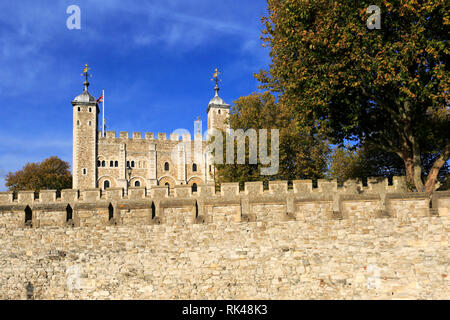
(84, 171)
(28, 216)
(210, 168)
(116, 164)
(194, 187)
(103, 163)
(99, 163)
(111, 164)
(110, 212)
(132, 164)
(137, 184)
(90, 123)
(128, 164)
(168, 188)
(106, 184)
(69, 213)
(194, 167)
(166, 166)
(78, 122)
(218, 112)
(79, 109)
(90, 109)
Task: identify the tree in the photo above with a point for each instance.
(388, 87)
(301, 154)
(50, 174)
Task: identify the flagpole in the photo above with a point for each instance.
(103, 114)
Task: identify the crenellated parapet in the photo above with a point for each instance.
(148, 136)
(299, 200)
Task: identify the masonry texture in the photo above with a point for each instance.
(286, 242)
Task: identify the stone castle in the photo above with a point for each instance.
(120, 162)
(284, 240)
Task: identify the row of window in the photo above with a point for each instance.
(79, 109)
(115, 164)
(79, 123)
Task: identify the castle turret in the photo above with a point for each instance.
(85, 124)
(218, 110)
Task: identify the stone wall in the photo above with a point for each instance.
(354, 242)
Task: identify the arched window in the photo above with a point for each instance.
(78, 122)
(166, 166)
(90, 109)
(106, 184)
(84, 172)
(103, 163)
(137, 184)
(116, 164)
(194, 187)
(194, 167)
(28, 217)
(168, 188)
(153, 210)
(90, 123)
(132, 164)
(79, 109)
(69, 213)
(111, 164)
(218, 112)
(99, 163)
(128, 164)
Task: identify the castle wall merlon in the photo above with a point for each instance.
(70, 195)
(162, 136)
(302, 186)
(25, 197)
(278, 187)
(183, 191)
(230, 189)
(90, 195)
(6, 197)
(149, 136)
(114, 194)
(110, 134)
(137, 135)
(254, 188)
(46, 196)
(135, 193)
(124, 135)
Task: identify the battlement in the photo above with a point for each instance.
(125, 135)
(278, 201)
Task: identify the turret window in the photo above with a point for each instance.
(103, 163)
(90, 109)
(99, 163)
(194, 167)
(166, 166)
(84, 171)
(137, 184)
(132, 164)
(218, 112)
(116, 164)
(111, 164)
(79, 109)
(194, 187)
(106, 184)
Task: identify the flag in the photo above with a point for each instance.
(100, 99)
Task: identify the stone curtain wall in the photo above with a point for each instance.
(355, 242)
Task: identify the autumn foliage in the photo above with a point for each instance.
(50, 174)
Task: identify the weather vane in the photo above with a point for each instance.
(216, 77)
(86, 72)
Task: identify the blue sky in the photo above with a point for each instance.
(154, 59)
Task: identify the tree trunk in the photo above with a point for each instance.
(430, 184)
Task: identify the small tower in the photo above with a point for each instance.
(218, 110)
(85, 135)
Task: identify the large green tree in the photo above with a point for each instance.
(386, 87)
(50, 174)
(302, 154)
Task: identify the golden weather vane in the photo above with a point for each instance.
(86, 72)
(216, 76)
